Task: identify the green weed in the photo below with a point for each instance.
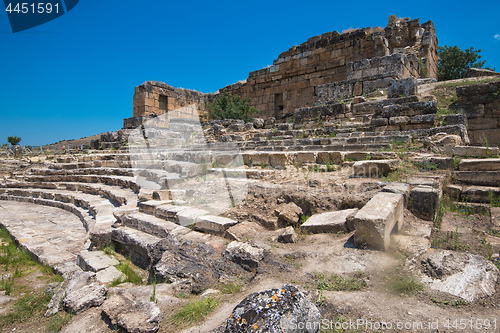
(194, 311)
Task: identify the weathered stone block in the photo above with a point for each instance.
(289, 213)
(376, 220)
(402, 88)
(334, 157)
(84, 298)
(287, 235)
(487, 164)
(95, 261)
(374, 168)
(331, 222)
(216, 225)
(424, 202)
(399, 188)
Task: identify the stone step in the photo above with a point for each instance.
(51, 236)
(468, 193)
(486, 164)
(149, 224)
(84, 215)
(483, 178)
(122, 181)
(472, 151)
(290, 158)
(85, 171)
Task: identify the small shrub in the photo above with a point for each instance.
(303, 218)
(228, 106)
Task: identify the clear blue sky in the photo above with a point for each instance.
(75, 76)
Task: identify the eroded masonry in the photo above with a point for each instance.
(331, 66)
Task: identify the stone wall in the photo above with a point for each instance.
(481, 104)
(157, 98)
(368, 75)
(404, 48)
(325, 68)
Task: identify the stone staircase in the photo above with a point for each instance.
(477, 180)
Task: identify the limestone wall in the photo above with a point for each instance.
(481, 104)
(157, 98)
(324, 68)
(293, 79)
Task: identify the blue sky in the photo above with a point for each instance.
(75, 76)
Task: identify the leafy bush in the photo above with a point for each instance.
(13, 140)
(228, 106)
(453, 62)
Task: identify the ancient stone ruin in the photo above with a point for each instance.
(351, 180)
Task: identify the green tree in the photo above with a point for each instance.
(228, 106)
(453, 62)
(13, 140)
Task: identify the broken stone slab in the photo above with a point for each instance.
(212, 224)
(84, 298)
(244, 230)
(95, 261)
(374, 168)
(201, 265)
(71, 283)
(400, 188)
(275, 311)
(376, 220)
(486, 164)
(109, 275)
(461, 274)
(289, 213)
(424, 202)
(244, 254)
(330, 222)
(287, 235)
(135, 316)
(475, 151)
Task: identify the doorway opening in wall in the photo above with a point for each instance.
(278, 105)
(163, 104)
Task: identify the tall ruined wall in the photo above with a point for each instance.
(481, 104)
(157, 98)
(293, 79)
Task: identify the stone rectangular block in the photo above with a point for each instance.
(377, 219)
(95, 261)
(188, 216)
(330, 222)
(216, 225)
(424, 202)
(487, 164)
(475, 151)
